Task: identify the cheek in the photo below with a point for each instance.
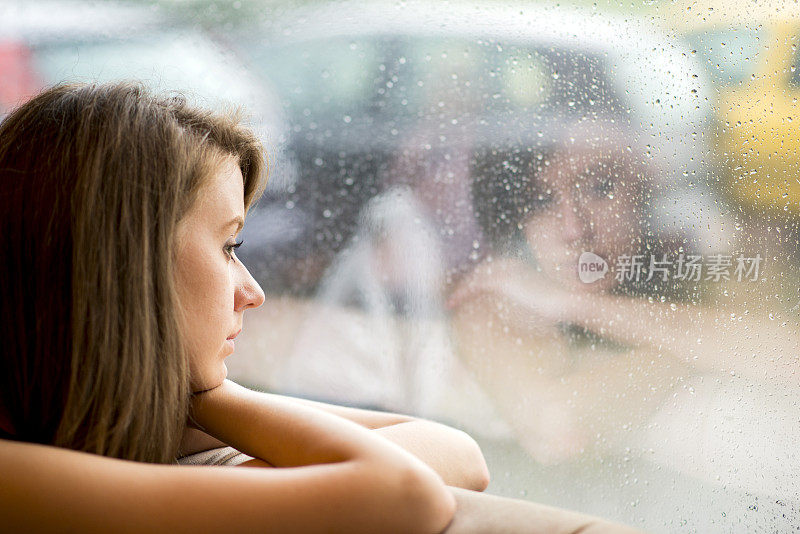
(538, 231)
(212, 302)
(209, 325)
(206, 298)
(542, 233)
(615, 222)
(204, 278)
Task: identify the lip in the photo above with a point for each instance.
(231, 337)
(230, 340)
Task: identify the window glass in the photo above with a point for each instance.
(730, 55)
(569, 228)
(332, 77)
(794, 80)
(171, 61)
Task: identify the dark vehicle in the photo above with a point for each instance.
(410, 100)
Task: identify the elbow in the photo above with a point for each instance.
(427, 503)
(435, 505)
(477, 472)
(482, 478)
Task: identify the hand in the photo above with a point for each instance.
(534, 300)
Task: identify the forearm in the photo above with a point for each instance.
(370, 419)
(453, 454)
(286, 433)
(708, 339)
(638, 322)
(49, 489)
(555, 399)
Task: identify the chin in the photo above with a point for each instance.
(210, 380)
(222, 375)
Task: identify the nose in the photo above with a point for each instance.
(573, 221)
(248, 293)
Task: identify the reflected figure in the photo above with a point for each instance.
(524, 318)
(578, 368)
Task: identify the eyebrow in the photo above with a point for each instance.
(238, 221)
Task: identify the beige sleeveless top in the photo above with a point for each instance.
(222, 456)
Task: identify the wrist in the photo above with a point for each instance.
(203, 403)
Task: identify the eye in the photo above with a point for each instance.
(543, 199)
(230, 248)
(603, 187)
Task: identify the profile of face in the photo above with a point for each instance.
(214, 287)
(589, 201)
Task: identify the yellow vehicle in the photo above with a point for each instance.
(751, 51)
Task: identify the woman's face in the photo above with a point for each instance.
(214, 288)
(591, 201)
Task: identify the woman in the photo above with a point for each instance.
(120, 212)
(579, 362)
(123, 296)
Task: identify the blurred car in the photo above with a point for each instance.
(378, 94)
(47, 42)
(750, 53)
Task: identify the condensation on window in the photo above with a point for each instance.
(569, 228)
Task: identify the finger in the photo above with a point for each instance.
(473, 286)
(460, 296)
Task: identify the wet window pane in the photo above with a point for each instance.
(731, 56)
(569, 228)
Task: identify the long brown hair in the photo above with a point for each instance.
(93, 181)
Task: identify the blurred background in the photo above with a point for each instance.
(569, 228)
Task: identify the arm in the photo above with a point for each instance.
(453, 454)
(556, 398)
(46, 489)
(349, 481)
(742, 339)
(709, 339)
(286, 433)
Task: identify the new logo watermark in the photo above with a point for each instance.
(684, 267)
(591, 267)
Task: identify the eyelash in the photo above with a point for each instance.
(229, 249)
